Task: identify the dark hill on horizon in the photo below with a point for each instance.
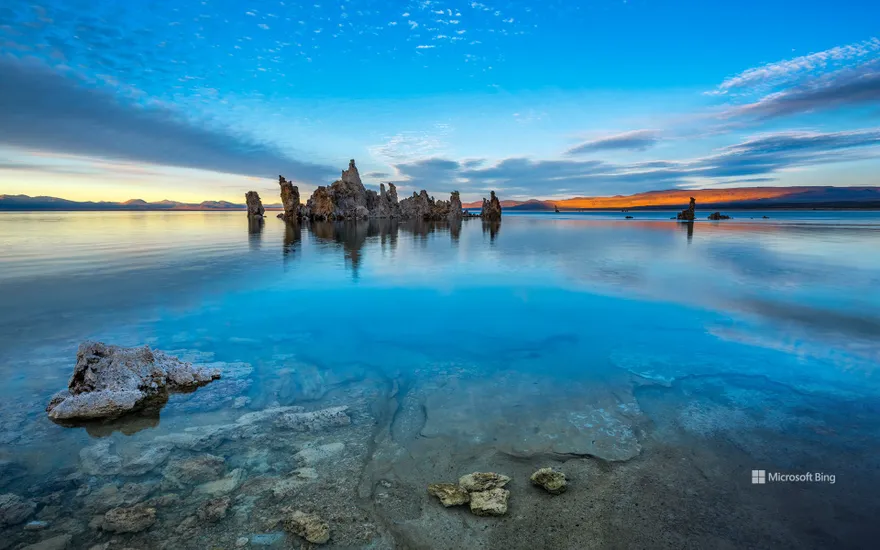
(28, 203)
(729, 199)
(732, 198)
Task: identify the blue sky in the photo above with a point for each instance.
(196, 100)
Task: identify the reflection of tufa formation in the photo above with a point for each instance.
(348, 199)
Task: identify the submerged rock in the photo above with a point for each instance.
(718, 216)
(214, 509)
(222, 486)
(688, 213)
(254, 204)
(110, 381)
(152, 457)
(129, 520)
(312, 454)
(450, 494)
(482, 481)
(199, 469)
(308, 526)
(551, 480)
(98, 459)
(315, 420)
(55, 543)
(14, 509)
(491, 211)
(490, 503)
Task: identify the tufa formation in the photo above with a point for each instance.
(290, 200)
(348, 199)
(491, 209)
(688, 213)
(254, 204)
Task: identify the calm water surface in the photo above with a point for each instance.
(610, 348)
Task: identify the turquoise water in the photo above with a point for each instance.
(573, 339)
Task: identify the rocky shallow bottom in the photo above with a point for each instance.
(344, 459)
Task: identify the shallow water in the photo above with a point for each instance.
(618, 350)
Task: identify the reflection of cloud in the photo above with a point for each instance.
(637, 140)
(92, 123)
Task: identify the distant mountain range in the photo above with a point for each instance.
(733, 198)
(721, 199)
(24, 202)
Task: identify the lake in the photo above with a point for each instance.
(663, 367)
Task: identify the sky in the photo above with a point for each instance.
(204, 100)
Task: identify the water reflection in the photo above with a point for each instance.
(352, 236)
(292, 239)
(689, 228)
(255, 232)
(492, 228)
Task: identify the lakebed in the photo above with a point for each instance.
(656, 364)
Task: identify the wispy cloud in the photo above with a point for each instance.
(787, 71)
(410, 146)
(636, 140)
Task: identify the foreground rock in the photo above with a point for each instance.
(290, 200)
(254, 204)
(449, 494)
(718, 216)
(109, 381)
(482, 481)
(490, 503)
(308, 526)
(552, 481)
(491, 211)
(483, 490)
(129, 520)
(688, 213)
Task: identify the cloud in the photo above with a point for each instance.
(753, 160)
(794, 69)
(410, 146)
(377, 175)
(637, 140)
(42, 110)
(430, 174)
(845, 88)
